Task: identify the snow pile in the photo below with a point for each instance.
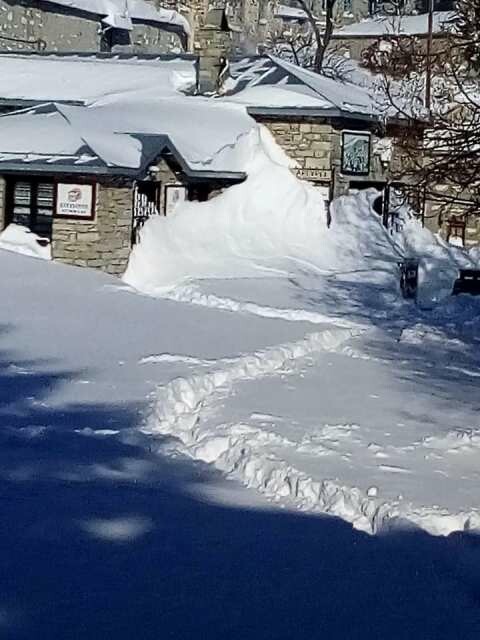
(274, 224)
(21, 240)
(271, 224)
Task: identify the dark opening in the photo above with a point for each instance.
(112, 37)
(199, 192)
(146, 203)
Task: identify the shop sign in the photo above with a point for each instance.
(75, 200)
(314, 174)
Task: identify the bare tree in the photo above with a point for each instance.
(322, 37)
(440, 147)
(307, 47)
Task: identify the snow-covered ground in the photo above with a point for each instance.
(111, 532)
(172, 443)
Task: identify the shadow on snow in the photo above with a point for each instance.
(100, 538)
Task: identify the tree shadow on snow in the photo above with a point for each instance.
(100, 538)
(437, 348)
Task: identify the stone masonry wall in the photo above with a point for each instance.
(317, 148)
(102, 243)
(60, 31)
(307, 142)
(66, 30)
(150, 39)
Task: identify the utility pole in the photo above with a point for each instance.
(428, 79)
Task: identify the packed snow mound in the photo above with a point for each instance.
(21, 240)
(274, 224)
(270, 224)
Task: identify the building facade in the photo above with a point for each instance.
(66, 26)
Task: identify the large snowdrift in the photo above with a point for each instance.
(271, 224)
(274, 224)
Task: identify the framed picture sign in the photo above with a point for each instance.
(75, 200)
(175, 194)
(356, 153)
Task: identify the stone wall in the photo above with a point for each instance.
(307, 142)
(437, 219)
(150, 39)
(317, 148)
(102, 243)
(59, 30)
(63, 29)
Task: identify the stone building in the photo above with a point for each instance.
(90, 25)
(85, 179)
(30, 78)
(331, 129)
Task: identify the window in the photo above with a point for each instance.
(31, 204)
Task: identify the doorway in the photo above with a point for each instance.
(146, 203)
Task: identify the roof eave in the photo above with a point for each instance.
(311, 112)
(126, 172)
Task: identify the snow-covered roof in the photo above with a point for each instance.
(27, 79)
(396, 25)
(285, 12)
(121, 13)
(126, 136)
(267, 82)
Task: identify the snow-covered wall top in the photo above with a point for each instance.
(54, 78)
(391, 25)
(120, 13)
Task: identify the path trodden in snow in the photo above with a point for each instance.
(381, 429)
(104, 537)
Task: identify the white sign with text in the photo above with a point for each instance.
(74, 200)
